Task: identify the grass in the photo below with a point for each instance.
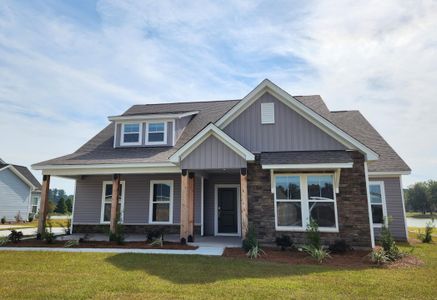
(41, 275)
(419, 215)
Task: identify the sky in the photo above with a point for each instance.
(67, 65)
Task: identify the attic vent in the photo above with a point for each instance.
(267, 113)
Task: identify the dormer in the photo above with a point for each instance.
(149, 130)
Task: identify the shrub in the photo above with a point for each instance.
(118, 235)
(339, 246)
(426, 237)
(67, 229)
(49, 237)
(3, 240)
(3, 220)
(183, 241)
(284, 242)
(71, 243)
(389, 245)
(250, 241)
(379, 256)
(255, 252)
(159, 241)
(30, 218)
(15, 236)
(319, 254)
(313, 234)
(154, 234)
(18, 217)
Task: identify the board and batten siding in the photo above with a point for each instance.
(395, 210)
(213, 154)
(14, 196)
(88, 199)
(118, 136)
(290, 132)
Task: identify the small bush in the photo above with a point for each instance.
(30, 218)
(255, 252)
(15, 236)
(18, 217)
(158, 242)
(250, 241)
(313, 234)
(339, 246)
(284, 242)
(118, 235)
(319, 254)
(3, 240)
(49, 237)
(389, 245)
(3, 220)
(154, 234)
(379, 256)
(426, 237)
(71, 243)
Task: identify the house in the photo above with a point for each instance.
(19, 192)
(269, 160)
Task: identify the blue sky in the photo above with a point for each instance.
(67, 65)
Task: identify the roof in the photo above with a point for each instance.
(305, 157)
(100, 150)
(25, 173)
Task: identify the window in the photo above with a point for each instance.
(267, 113)
(156, 133)
(301, 197)
(377, 202)
(107, 200)
(161, 202)
(131, 134)
(35, 201)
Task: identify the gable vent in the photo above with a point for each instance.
(267, 113)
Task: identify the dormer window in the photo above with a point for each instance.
(156, 133)
(131, 134)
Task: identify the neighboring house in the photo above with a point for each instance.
(269, 160)
(19, 192)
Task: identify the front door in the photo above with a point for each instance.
(227, 210)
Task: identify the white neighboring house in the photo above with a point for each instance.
(20, 192)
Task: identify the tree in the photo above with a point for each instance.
(432, 195)
(61, 207)
(69, 203)
(418, 197)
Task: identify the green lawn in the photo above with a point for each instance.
(106, 276)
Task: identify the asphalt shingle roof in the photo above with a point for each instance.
(100, 148)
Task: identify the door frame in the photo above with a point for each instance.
(237, 187)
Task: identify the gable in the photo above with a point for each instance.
(213, 154)
(289, 132)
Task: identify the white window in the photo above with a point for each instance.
(35, 202)
(267, 113)
(131, 134)
(377, 202)
(161, 202)
(156, 133)
(301, 197)
(107, 200)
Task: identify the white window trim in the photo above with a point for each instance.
(237, 187)
(102, 208)
(164, 142)
(304, 203)
(171, 184)
(384, 205)
(140, 134)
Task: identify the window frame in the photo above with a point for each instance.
(164, 142)
(304, 202)
(151, 203)
(32, 205)
(383, 203)
(102, 206)
(140, 134)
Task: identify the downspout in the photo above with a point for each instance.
(369, 206)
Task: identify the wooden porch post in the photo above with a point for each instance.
(114, 202)
(191, 205)
(244, 203)
(184, 205)
(43, 205)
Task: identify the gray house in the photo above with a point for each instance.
(19, 192)
(269, 160)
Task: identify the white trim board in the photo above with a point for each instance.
(206, 132)
(389, 174)
(145, 117)
(309, 166)
(322, 123)
(237, 187)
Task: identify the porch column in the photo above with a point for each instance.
(244, 203)
(187, 205)
(44, 203)
(114, 202)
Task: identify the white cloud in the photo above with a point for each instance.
(61, 73)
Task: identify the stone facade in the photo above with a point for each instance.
(137, 229)
(352, 206)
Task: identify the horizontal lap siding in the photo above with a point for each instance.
(291, 132)
(395, 210)
(14, 196)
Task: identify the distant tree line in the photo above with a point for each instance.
(60, 202)
(422, 197)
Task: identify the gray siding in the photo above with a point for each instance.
(213, 154)
(14, 196)
(208, 208)
(143, 133)
(393, 199)
(87, 208)
(291, 132)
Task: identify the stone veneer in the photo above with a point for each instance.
(352, 206)
(137, 229)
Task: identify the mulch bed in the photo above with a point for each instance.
(100, 244)
(350, 259)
